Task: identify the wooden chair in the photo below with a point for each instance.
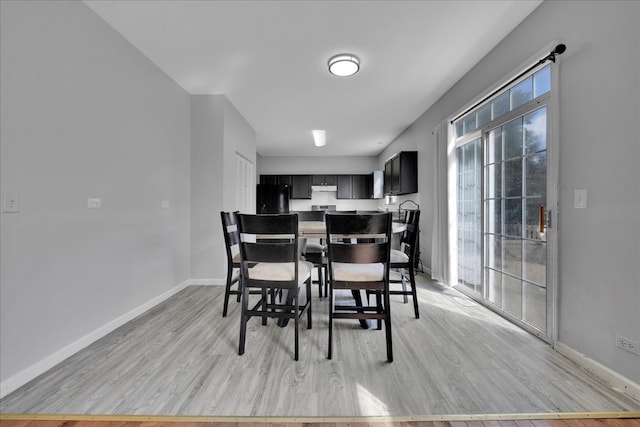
(405, 259)
(358, 260)
(270, 263)
(232, 246)
(314, 250)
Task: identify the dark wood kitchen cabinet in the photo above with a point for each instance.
(401, 174)
(301, 186)
(275, 179)
(355, 186)
(323, 180)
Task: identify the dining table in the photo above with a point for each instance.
(318, 230)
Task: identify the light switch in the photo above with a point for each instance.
(580, 199)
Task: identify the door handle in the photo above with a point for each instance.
(542, 219)
(545, 219)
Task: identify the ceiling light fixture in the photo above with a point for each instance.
(319, 137)
(344, 65)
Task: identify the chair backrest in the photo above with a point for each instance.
(409, 238)
(361, 239)
(310, 215)
(269, 239)
(231, 233)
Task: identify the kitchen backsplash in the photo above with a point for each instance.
(329, 198)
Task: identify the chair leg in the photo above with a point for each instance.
(227, 290)
(330, 346)
(380, 309)
(320, 281)
(387, 326)
(403, 275)
(326, 281)
(309, 302)
(414, 293)
(265, 301)
(243, 320)
(296, 311)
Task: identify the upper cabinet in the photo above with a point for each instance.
(401, 173)
(301, 186)
(275, 179)
(323, 180)
(348, 186)
(355, 186)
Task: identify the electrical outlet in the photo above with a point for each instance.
(628, 345)
(11, 202)
(94, 203)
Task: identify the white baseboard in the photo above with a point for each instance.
(21, 378)
(612, 378)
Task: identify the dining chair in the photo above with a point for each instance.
(314, 250)
(270, 263)
(405, 259)
(232, 247)
(359, 248)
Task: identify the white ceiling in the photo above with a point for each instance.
(270, 59)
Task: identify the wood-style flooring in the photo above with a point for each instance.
(569, 422)
(180, 359)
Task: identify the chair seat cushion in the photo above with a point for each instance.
(345, 272)
(399, 257)
(279, 272)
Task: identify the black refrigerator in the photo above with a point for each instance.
(272, 198)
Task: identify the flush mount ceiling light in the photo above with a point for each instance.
(344, 65)
(319, 137)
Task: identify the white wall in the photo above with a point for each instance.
(207, 169)
(84, 114)
(218, 132)
(599, 247)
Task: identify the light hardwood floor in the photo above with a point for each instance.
(569, 422)
(180, 358)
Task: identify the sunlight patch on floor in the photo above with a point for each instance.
(370, 404)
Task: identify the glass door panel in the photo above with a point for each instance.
(469, 220)
(515, 255)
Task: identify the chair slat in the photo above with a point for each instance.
(363, 253)
(270, 252)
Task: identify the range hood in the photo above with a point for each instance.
(333, 188)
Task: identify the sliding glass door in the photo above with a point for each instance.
(502, 203)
